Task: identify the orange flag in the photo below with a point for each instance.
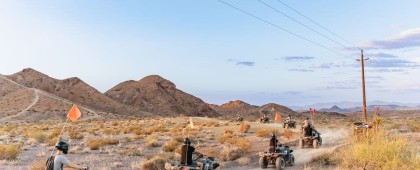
(74, 113)
(278, 117)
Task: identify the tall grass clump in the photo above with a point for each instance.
(378, 150)
(9, 152)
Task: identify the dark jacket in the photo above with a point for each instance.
(186, 154)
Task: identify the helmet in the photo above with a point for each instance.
(62, 146)
(273, 135)
(289, 115)
(187, 141)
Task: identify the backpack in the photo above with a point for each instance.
(49, 165)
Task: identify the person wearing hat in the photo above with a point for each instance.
(273, 143)
(60, 160)
(186, 154)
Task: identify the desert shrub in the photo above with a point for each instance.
(230, 153)
(75, 135)
(36, 134)
(211, 152)
(222, 139)
(95, 144)
(54, 133)
(151, 141)
(262, 132)
(9, 152)
(212, 123)
(156, 128)
(170, 146)
(378, 151)
(287, 134)
(244, 127)
(242, 143)
(154, 163)
(52, 141)
(38, 165)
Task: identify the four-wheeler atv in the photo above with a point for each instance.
(310, 138)
(281, 157)
(208, 164)
(239, 119)
(289, 124)
(264, 120)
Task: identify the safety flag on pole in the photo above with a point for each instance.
(191, 123)
(74, 113)
(278, 117)
(314, 112)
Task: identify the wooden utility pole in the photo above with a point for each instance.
(363, 87)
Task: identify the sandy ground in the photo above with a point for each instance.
(108, 158)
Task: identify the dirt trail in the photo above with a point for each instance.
(35, 100)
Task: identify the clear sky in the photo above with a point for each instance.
(217, 53)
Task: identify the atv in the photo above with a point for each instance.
(279, 158)
(289, 124)
(208, 164)
(360, 128)
(239, 119)
(310, 138)
(264, 120)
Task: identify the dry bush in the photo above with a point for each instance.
(212, 123)
(52, 141)
(9, 152)
(262, 132)
(230, 153)
(154, 163)
(151, 141)
(156, 128)
(242, 143)
(38, 165)
(211, 152)
(54, 133)
(287, 134)
(222, 139)
(75, 135)
(36, 134)
(170, 146)
(378, 151)
(95, 144)
(244, 127)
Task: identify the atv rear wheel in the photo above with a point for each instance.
(280, 163)
(263, 162)
(315, 143)
(292, 160)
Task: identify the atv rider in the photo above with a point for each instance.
(273, 143)
(60, 160)
(264, 117)
(307, 127)
(186, 154)
(289, 118)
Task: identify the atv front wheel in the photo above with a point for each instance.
(292, 160)
(263, 162)
(280, 163)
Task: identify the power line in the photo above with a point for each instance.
(318, 24)
(285, 30)
(301, 23)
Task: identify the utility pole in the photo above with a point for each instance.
(363, 86)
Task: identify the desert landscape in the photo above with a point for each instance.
(142, 124)
(239, 85)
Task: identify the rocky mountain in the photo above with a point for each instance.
(158, 95)
(72, 89)
(336, 109)
(232, 108)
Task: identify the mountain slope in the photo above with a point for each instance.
(72, 89)
(158, 95)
